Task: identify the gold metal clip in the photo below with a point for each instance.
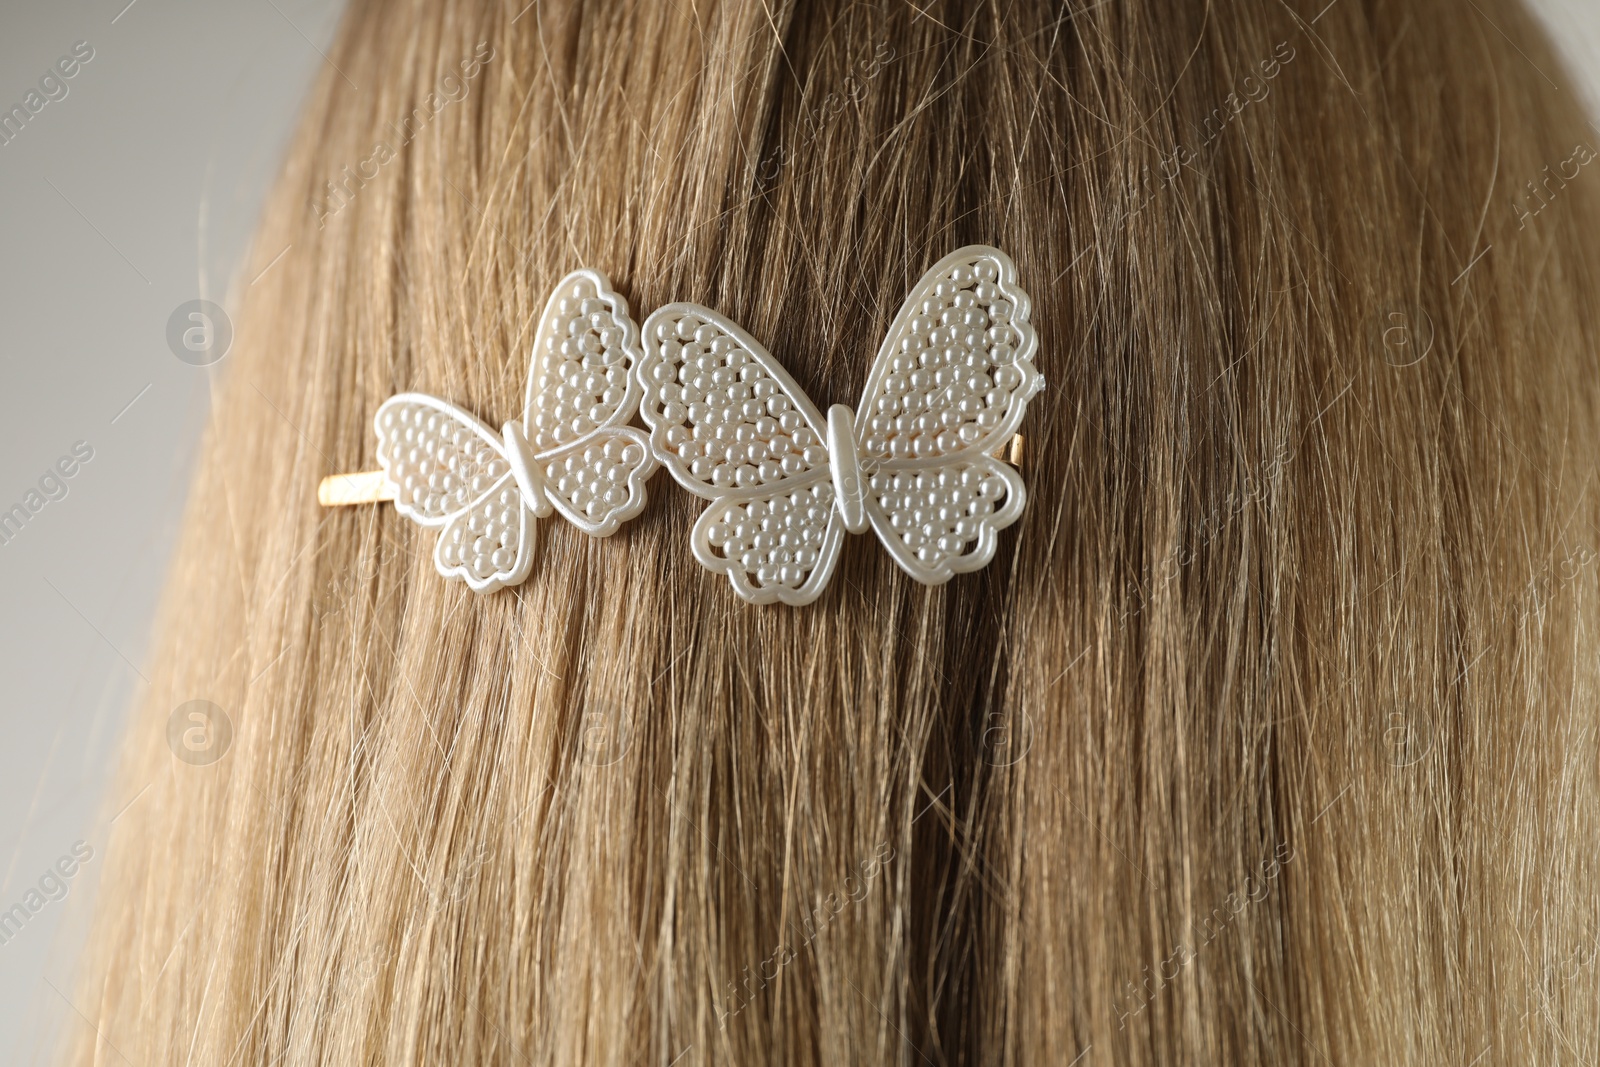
(366, 487)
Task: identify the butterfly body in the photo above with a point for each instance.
(949, 385)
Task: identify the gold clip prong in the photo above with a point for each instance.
(1011, 451)
(364, 487)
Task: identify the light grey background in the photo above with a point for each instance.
(135, 193)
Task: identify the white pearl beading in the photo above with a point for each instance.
(437, 464)
(486, 543)
(571, 451)
(951, 383)
(940, 515)
(595, 481)
(579, 380)
(777, 542)
(727, 419)
(949, 369)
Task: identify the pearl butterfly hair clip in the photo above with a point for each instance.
(919, 462)
(572, 451)
(949, 387)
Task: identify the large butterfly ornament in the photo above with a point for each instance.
(572, 451)
(914, 462)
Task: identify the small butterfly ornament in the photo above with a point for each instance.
(572, 451)
(914, 462)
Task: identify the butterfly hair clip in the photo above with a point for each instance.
(915, 462)
(572, 451)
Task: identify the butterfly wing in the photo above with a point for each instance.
(780, 545)
(950, 384)
(725, 417)
(955, 371)
(448, 469)
(490, 544)
(582, 391)
(598, 482)
(581, 374)
(945, 520)
(732, 426)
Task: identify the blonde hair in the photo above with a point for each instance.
(1268, 736)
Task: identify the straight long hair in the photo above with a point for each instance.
(1268, 737)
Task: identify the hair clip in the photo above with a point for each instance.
(916, 462)
(572, 450)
